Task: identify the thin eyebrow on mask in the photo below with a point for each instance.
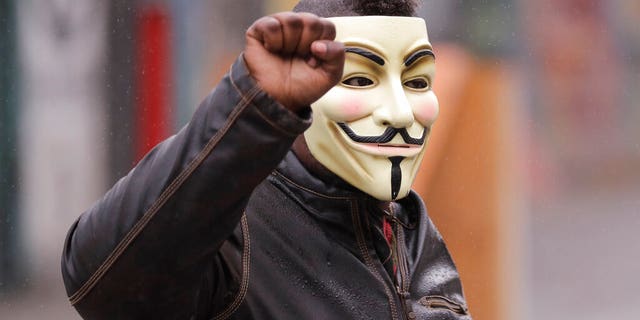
(366, 53)
(417, 55)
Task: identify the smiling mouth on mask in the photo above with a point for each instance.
(385, 137)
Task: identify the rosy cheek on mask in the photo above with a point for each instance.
(426, 111)
(349, 109)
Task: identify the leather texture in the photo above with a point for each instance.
(222, 221)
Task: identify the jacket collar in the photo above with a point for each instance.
(329, 193)
(309, 187)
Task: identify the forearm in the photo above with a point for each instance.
(154, 229)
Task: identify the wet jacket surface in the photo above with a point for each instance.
(222, 221)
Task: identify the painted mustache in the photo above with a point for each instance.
(385, 137)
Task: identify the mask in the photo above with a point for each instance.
(371, 129)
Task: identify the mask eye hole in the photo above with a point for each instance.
(358, 82)
(420, 84)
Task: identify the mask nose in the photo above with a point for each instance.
(395, 111)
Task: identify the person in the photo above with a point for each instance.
(287, 196)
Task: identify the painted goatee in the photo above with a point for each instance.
(396, 176)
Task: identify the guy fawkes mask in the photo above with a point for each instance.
(371, 129)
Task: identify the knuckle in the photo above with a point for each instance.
(315, 26)
(272, 26)
(265, 24)
(311, 21)
(329, 29)
(262, 21)
(295, 21)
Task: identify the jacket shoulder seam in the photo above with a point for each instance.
(162, 199)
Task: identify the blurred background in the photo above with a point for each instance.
(532, 173)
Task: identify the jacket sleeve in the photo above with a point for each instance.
(147, 241)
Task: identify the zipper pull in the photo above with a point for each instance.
(404, 296)
(440, 302)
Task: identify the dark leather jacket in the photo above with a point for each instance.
(222, 221)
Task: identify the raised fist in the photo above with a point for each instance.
(293, 57)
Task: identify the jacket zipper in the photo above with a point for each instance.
(402, 277)
(362, 243)
(439, 302)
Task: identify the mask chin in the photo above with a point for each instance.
(386, 178)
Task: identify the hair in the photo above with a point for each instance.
(343, 8)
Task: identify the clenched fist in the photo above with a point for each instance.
(293, 57)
